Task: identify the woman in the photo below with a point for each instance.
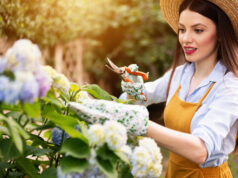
(201, 113)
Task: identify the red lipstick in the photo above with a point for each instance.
(189, 50)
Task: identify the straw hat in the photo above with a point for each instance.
(170, 11)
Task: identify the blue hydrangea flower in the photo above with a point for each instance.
(11, 92)
(3, 84)
(56, 136)
(44, 82)
(30, 88)
(2, 65)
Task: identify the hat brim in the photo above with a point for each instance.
(170, 11)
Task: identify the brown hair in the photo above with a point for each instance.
(227, 40)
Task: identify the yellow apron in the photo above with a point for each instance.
(178, 115)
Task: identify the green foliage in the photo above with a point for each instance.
(50, 21)
(71, 164)
(141, 37)
(107, 161)
(25, 138)
(76, 147)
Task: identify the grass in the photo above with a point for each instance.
(232, 161)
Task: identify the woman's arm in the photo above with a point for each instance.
(184, 144)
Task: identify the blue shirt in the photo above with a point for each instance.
(216, 121)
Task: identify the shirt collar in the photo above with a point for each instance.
(217, 73)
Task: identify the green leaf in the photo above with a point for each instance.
(70, 164)
(27, 166)
(47, 134)
(38, 141)
(122, 156)
(125, 171)
(8, 150)
(49, 173)
(65, 96)
(30, 150)
(76, 148)
(106, 167)
(97, 92)
(84, 128)
(107, 161)
(4, 106)
(54, 101)
(15, 131)
(49, 125)
(66, 123)
(4, 130)
(3, 167)
(74, 87)
(13, 114)
(107, 154)
(32, 110)
(15, 174)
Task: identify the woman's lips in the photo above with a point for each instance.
(189, 50)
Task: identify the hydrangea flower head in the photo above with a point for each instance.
(141, 162)
(44, 82)
(12, 92)
(50, 71)
(61, 83)
(97, 134)
(82, 95)
(126, 150)
(3, 86)
(29, 89)
(23, 55)
(146, 159)
(152, 148)
(116, 135)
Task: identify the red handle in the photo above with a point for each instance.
(142, 74)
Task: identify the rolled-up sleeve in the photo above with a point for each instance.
(218, 126)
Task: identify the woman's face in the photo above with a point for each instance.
(197, 36)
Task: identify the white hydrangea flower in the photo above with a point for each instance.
(61, 82)
(116, 135)
(97, 134)
(29, 60)
(155, 170)
(146, 159)
(141, 162)
(50, 71)
(126, 150)
(152, 148)
(82, 95)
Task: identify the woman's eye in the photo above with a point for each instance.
(199, 30)
(181, 30)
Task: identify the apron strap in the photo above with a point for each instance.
(207, 92)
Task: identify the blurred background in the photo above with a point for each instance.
(76, 37)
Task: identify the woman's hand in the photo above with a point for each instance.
(134, 90)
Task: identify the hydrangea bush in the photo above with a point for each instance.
(40, 136)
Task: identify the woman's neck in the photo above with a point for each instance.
(203, 68)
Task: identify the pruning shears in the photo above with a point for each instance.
(122, 71)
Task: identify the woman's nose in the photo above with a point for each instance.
(187, 37)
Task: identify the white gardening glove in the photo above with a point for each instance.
(134, 89)
(133, 117)
(133, 84)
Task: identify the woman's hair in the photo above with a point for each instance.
(227, 40)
